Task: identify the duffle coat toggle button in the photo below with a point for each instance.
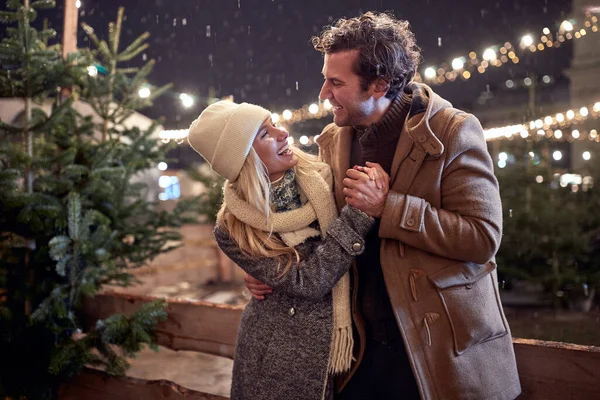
(415, 274)
(429, 319)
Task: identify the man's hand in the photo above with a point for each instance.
(366, 188)
(256, 287)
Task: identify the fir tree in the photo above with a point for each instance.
(551, 231)
(73, 209)
(210, 200)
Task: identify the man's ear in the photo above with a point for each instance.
(380, 88)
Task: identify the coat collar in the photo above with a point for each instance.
(425, 104)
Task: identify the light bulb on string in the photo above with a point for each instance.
(526, 41)
(430, 73)
(144, 92)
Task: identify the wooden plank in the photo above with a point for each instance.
(557, 371)
(548, 370)
(97, 385)
(191, 325)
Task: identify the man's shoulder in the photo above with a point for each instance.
(448, 120)
(327, 134)
(457, 129)
(329, 130)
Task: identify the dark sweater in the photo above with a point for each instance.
(377, 143)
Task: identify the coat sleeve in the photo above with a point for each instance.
(468, 226)
(317, 272)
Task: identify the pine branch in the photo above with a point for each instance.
(136, 47)
(43, 4)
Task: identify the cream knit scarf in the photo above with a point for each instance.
(293, 227)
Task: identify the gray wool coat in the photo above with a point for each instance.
(284, 341)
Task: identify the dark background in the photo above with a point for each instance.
(259, 50)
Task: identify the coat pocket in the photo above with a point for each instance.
(470, 297)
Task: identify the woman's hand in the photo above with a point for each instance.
(366, 188)
(376, 173)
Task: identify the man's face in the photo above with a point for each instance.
(352, 106)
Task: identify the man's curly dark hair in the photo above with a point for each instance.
(386, 45)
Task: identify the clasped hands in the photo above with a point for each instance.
(365, 187)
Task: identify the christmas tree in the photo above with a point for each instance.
(74, 212)
(551, 224)
(211, 198)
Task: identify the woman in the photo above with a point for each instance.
(279, 223)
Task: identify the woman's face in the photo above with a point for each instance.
(272, 148)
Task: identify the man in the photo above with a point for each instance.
(427, 312)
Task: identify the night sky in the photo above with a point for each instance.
(260, 51)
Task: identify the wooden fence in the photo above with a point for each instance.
(548, 370)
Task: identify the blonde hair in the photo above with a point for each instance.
(254, 187)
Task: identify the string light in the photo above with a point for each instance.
(527, 40)
(177, 134)
(430, 73)
(566, 26)
(92, 71)
(458, 64)
(549, 124)
(490, 58)
(489, 54)
(558, 134)
(557, 155)
(144, 92)
(463, 67)
(186, 100)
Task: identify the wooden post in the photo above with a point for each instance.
(70, 28)
(69, 36)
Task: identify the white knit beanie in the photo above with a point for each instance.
(223, 134)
